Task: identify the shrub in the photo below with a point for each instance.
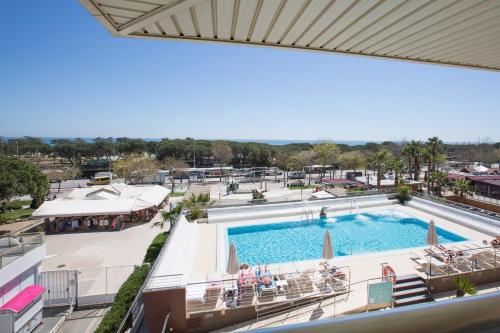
(404, 194)
(155, 247)
(123, 300)
(257, 195)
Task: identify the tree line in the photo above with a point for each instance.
(243, 154)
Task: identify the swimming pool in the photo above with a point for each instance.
(303, 240)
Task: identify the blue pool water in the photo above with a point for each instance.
(303, 240)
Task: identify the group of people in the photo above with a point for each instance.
(259, 276)
(73, 224)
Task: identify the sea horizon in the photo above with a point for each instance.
(273, 142)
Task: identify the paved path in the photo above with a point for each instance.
(83, 321)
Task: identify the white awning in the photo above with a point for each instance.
(449, 32)
(116, 199)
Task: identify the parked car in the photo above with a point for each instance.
(297, 175)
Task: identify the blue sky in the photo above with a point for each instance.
(63, 74)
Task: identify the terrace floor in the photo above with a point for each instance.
(362, 267)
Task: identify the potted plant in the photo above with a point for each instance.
(258, 196)
(464, 286)
(403, 194)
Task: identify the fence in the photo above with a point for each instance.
(89, 286)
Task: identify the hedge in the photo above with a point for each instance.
(130, 288)
(155, 247)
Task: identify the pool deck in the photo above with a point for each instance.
(362, 266)
(206, 254)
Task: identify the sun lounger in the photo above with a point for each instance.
(201, 298)
(305, 282)
(246, 295)
(292, 289)
(267, 294)
(433, 267)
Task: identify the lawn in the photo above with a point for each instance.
(11, 216)
(176, 194)
(301, 187)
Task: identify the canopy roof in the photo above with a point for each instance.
(116, 199)
(451, 32)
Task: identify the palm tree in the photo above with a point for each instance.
(440, 179)
(165, 217)
(462, 187)
(427, 157)
(407, 152)
(397, 166)
(436, 145)
(380, 161)
(464, 286)
(413, 151)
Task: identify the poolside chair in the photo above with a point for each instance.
(293, 289)
(306, 282)
(434, 267)
(267, 295)
(246, 295)
(207, 302)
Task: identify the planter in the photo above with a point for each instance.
(258, 201)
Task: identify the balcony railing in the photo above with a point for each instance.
(14, 247)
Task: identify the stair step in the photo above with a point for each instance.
(408, 278)
(413, 300)
(408, 285)
(409, 293)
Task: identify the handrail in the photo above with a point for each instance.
(457, 205)
(371, 242)
(24, 246)
(345, 244)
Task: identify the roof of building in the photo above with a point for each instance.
(115, 199)
(456, 33)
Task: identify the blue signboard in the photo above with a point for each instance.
(380, 292)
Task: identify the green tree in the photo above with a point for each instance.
(436, 147)
(439, 179)
(381, 161)
(462, 187)
(397, 166)
(18, 177)
(222, 153)
(326, 154)
(175, 168)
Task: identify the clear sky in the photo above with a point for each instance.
(63, 74)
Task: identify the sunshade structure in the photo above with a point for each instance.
(116, 199)
(432, 237)
(450, 32)
(232, 261)
(327, 246)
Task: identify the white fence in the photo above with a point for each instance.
(89, 286)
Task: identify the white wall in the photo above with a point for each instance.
(468, 219)
(20, 273)
(232, 214)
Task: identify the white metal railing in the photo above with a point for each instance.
(441, 262)
(18, 246)
(164, 282)
(251, 290)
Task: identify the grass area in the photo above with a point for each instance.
(301, 187)
(129, 289)
(176, 194)
(17, 204)
(11, 216)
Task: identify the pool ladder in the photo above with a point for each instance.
(346, 244)
(308, 214)
(376, 241)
